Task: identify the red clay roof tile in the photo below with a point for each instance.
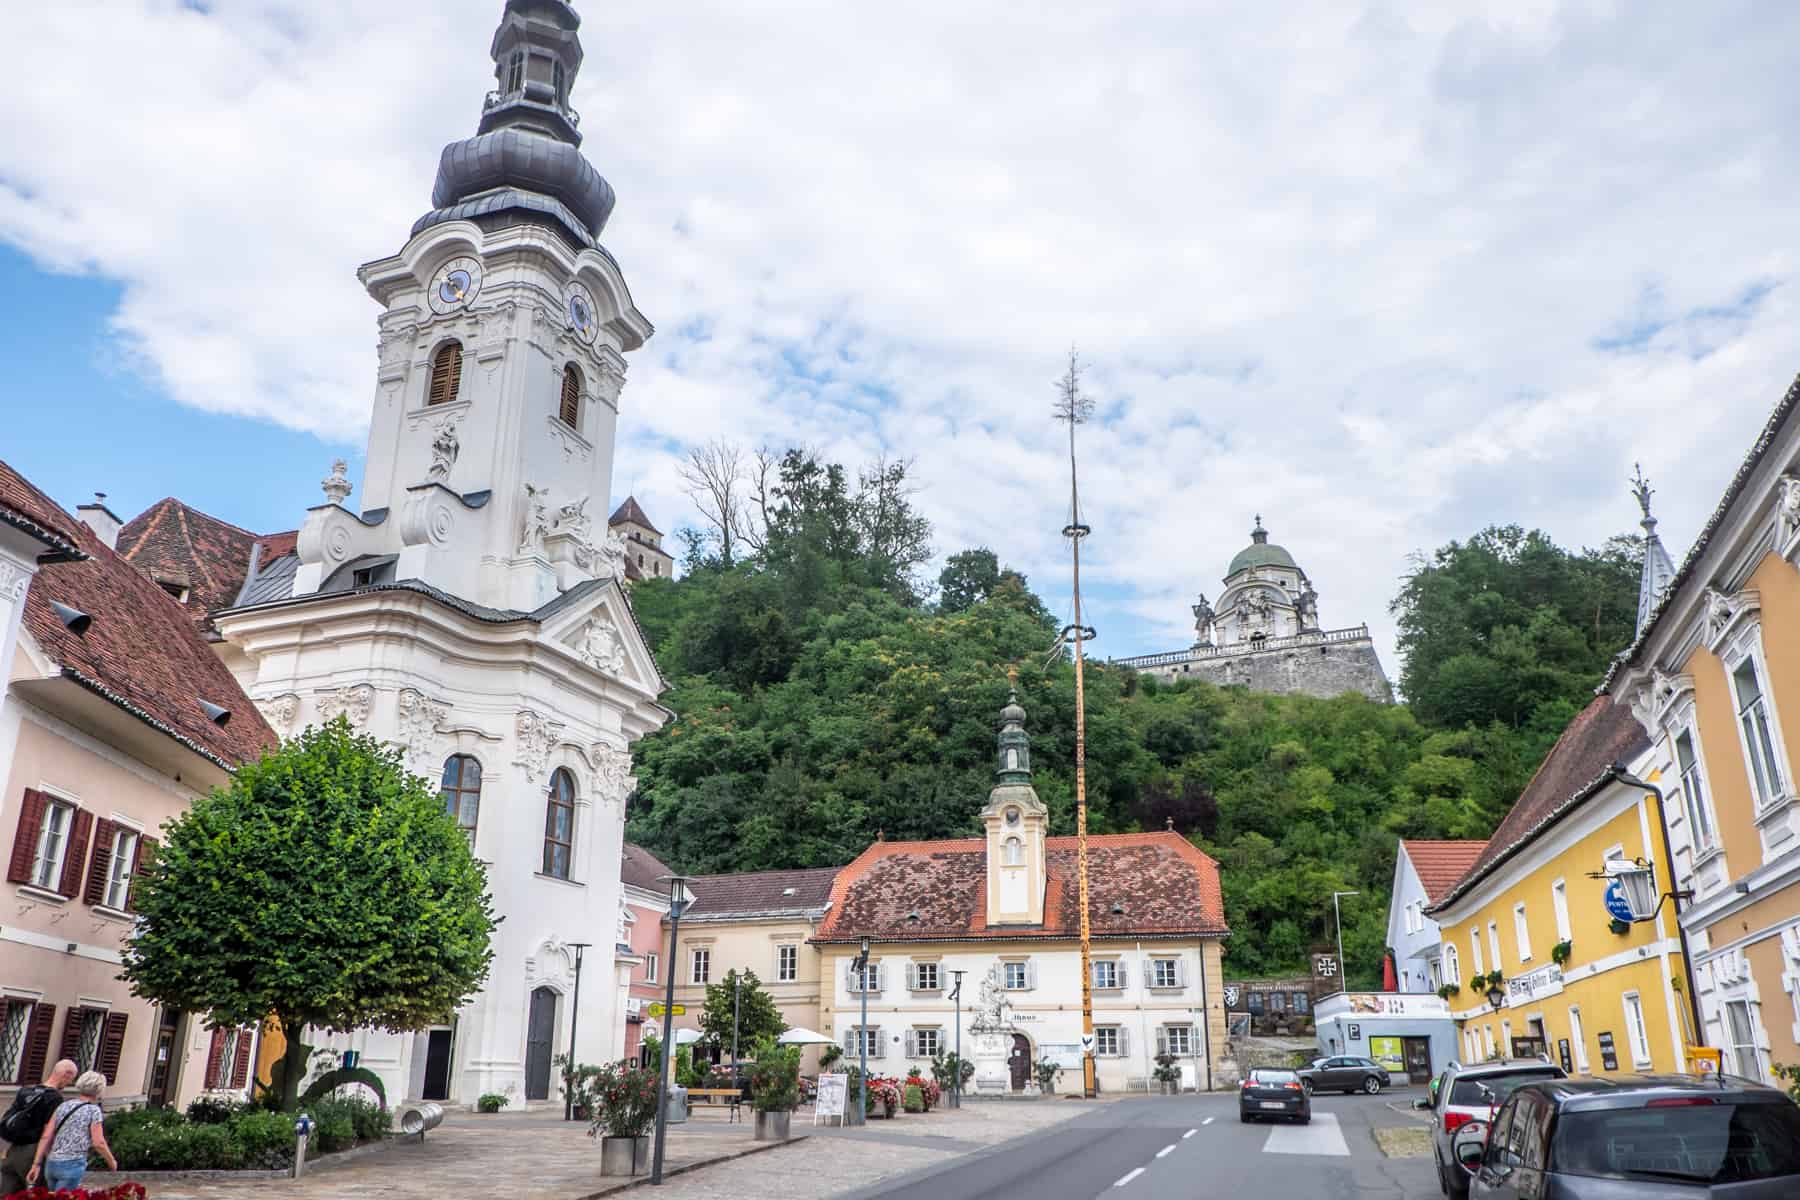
(1440, 864)
(175, 543)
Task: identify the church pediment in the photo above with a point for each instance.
(602, 633)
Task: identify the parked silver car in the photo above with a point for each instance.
(1473, 1093)
(1646, 1137)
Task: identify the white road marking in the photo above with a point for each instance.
(1190, 1133)
(1322, 1137)
(1131, 1175)
(1208, 1121)
(1166, 1150)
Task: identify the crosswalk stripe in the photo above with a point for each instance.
(1323, 1137)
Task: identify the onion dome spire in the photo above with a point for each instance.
(1013, 763)
(1659, 569)
(524, 164)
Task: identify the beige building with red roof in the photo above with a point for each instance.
(114, 716)
(1001, 913)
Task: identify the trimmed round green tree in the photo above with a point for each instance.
(757, 1016)
(325, 887)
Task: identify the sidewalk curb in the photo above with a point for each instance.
(693, 1166)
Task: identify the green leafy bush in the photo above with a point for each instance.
(915, 1099)
(343, 1123)
(624, 1100)
(210, 1110)
(490, 1102)
(265, 1140)
(178, 1145)
(775, 1078)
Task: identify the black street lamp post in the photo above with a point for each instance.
(574, 1016)
(679, 898)
(957, 1073)
(862, 1034)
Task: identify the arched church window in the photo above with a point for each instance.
(559, 825)
(446, 374)
(1012, 852)
(1012, 758)
(570, 412)
(515, 71)
(461, 791)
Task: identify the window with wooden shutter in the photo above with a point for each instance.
(570, 410)
(112, 1045)
(446, 374)
(100, 865)
(15, 1025)
(25, 841)
(75, 855)
(82, 1029)
(240, 1074)
(145, 858)
(912, 1043)
(215, 1054)
(37, 1043)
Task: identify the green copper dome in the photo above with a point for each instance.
(1259, 553)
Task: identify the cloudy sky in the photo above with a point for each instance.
(1384, 272)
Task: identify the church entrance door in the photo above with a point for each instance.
(1020, 1062)
(539, 1033)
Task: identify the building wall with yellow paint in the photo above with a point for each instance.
(1626, 985)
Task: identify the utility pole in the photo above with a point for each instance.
(574, 1016)
(1075, 408)
(1343, 975)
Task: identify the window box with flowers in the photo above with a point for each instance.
(624, 1107)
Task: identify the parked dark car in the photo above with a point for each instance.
(1645, 1137)
(1470, 1094)
(1268, 1092)
(1344, 1074)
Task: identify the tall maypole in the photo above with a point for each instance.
(1075, 408)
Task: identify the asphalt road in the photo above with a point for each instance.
(1190, 1146)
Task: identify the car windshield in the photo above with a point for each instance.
(1263, 1075)
(1701, 1143)
(1466, 1092)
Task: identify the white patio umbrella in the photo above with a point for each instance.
(805, 1037)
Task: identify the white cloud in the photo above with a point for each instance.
(1383, 275)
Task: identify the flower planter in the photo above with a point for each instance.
(624, 1155)
(772, 1126)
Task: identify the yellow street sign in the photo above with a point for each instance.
(659, 1008)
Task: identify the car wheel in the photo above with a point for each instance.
(1372, 1085)
(1243, 1118)
(1443, 1181)
(1305, 1118)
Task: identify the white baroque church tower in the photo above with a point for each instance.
(1264, 634)
(469, 605)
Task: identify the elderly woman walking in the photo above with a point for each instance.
(77, 1128)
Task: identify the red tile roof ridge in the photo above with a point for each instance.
(201, 512)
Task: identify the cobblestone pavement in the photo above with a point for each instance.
(528, 1156)
(536, 1156)
(833, 1161)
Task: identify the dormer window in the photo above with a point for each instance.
(569, 412)
(446, 375)
(1012, 853)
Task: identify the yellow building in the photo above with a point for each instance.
(1715, 679)
(1615, 1002)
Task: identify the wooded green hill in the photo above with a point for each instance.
(821, 698)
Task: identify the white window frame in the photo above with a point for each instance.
(866, 980)
(920, 984)
(1475, 950)
(1559, 901)
(52, 844)
(1019, 982)
(1637, 1032)
(1753, 1025)
(1578, 1040)
(118, 873)
(699, 965)
(1106, 1042)
(1452, 967)
(1747, 648)
(1696, 790)
(1168, 980)
(1114, 969)
(650, 967)
(1186, 1037)
(868, 1041)
(924, 1033)
(1494, 945)
(787, 963)
(1522, 932)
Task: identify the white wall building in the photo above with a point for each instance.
(1424, 873)
(468, 607)
(1003, 909)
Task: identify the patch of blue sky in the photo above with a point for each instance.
(79, 418)
(1697, 333)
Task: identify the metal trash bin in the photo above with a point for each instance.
(676, 1107)
(421, 1117)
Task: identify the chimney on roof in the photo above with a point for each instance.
(101, 520)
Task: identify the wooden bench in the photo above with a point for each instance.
(734, 1095)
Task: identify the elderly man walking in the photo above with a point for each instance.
(24, 1124)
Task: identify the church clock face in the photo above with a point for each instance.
(581, 313)
(455, 285)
